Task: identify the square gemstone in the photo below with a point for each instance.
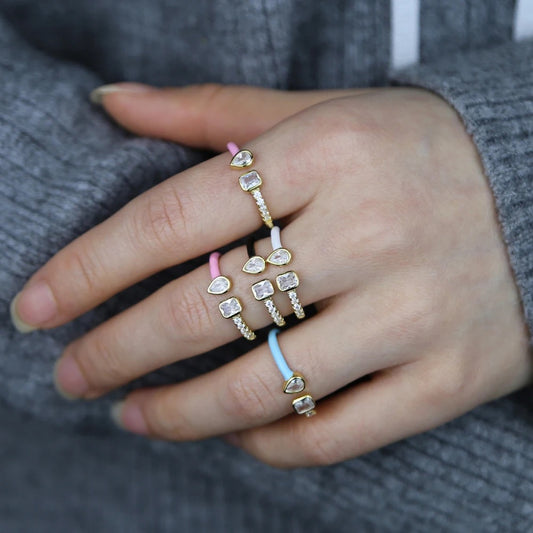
(304, 404)
(287, 281)
(250, 180)
(262, 289)
(230, 307)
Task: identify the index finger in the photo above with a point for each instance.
(189, 214)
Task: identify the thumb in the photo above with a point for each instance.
(204, 116)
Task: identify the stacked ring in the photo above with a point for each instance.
(231, 307)
(294, 382)
(250, 181)
(262, 290)
(288, 281)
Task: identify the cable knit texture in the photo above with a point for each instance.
(65, 167)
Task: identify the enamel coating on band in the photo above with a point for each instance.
(275, 238)
(273, 344)
(232, 148)
(214, 267)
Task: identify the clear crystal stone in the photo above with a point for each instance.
(279, 257)
(287, 281)
(219, 285)
(262, 289)
(254, 265)
(242, 159)
(294, 384)
(303, 404)
(230, 307)
(250, 180)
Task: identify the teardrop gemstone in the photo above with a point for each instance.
(279, 257)
(219, 285)
(242, 159)
(254, 265)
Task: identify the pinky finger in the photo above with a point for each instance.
(367, 416)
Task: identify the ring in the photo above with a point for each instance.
(231, 307)
(262, 290)
(294, 382)
(288, 281)
(250, 181)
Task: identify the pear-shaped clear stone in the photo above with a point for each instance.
(287, 281)
(254, 265)
(304, 404)
(279, 257)
(230, 307)
(262, 289)
(219, 285)
(250, 180)
(294, 385)
(242, 159)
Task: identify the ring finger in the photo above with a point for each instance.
(181, 320)
(247, 392)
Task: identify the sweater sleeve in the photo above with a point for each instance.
(492, 90)
(64, 167)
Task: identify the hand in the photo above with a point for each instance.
(395, 238)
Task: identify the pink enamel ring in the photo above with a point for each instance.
(231, 307)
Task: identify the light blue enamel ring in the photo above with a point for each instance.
(294, 382)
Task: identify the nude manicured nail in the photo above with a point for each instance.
(129, 416)
(33, 307)
(69, 379)
(97, 94)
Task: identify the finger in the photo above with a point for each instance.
(248, 391)
(182, 320)
(396, 403)
(208, 115)
(175, 221)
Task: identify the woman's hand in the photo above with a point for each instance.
(394, 236)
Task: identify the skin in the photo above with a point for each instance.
(395, 238)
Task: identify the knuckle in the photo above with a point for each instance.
(413, 314)
(100, 364)
(448, 382)
(316, 447)
(162, 219)
(188, 314)
(83, 265)
(248, 398)
(381, 231)
(211, 97)
(165, 419)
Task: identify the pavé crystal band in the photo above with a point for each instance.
(250, 181)
(294, 382)
(231, 307)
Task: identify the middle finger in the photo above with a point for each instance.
(181, 320)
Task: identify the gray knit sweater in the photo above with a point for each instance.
(65, 166)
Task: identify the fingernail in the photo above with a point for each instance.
(233, 439)
(129, 416)
(32, 307)
(97, 94)
(68, 378)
